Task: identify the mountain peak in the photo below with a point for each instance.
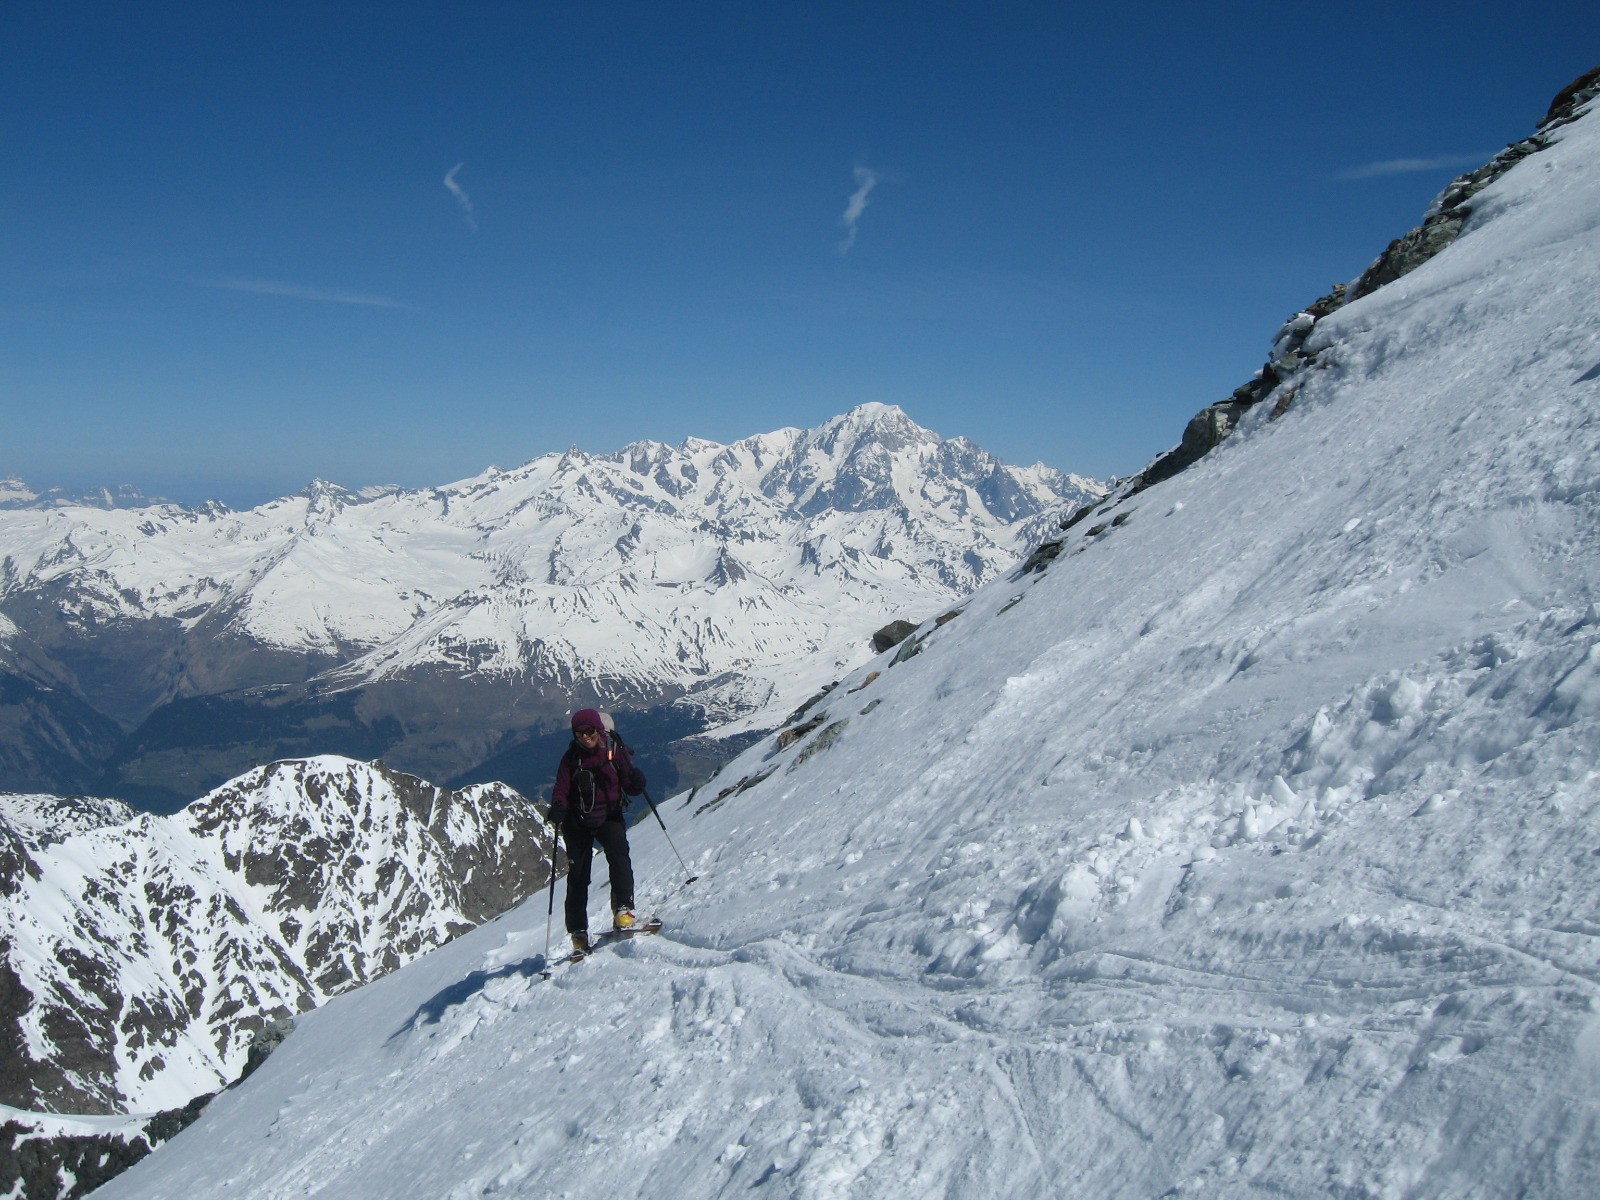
(876, 412)
(886, 422)
(324, 491)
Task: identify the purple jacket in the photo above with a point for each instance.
(611, 766)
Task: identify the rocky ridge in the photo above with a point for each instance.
(1447, 217)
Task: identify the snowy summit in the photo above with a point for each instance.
(1249, 848)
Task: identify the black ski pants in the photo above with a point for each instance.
(613, 839)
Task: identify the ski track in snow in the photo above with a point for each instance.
(1251, 849)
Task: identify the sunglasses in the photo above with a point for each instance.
(584, 733)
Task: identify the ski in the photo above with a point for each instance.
(653, 925)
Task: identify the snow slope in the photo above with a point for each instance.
(1251, 848)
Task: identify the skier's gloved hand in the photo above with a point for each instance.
(558, 816)
(636, 782)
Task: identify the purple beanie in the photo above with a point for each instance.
(587, 718)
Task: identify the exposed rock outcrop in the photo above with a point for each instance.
(892, 635)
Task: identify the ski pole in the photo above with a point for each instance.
(663, 825)
(550, 910)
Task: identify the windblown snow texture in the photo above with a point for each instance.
(1250, 848)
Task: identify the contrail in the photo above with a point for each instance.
(460, 193)
(295, 291)
(1408, 166)
(866, 180)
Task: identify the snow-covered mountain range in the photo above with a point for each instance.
(141, 953)
(14, 493)
(441, 627)
(1246, 845)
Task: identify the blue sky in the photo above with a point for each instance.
(403, 242)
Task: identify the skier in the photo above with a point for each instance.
(594, 775)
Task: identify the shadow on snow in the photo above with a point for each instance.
(434, 1008)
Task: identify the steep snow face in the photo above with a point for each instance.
(739, 575)
(1248, 849)
(142, 953)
